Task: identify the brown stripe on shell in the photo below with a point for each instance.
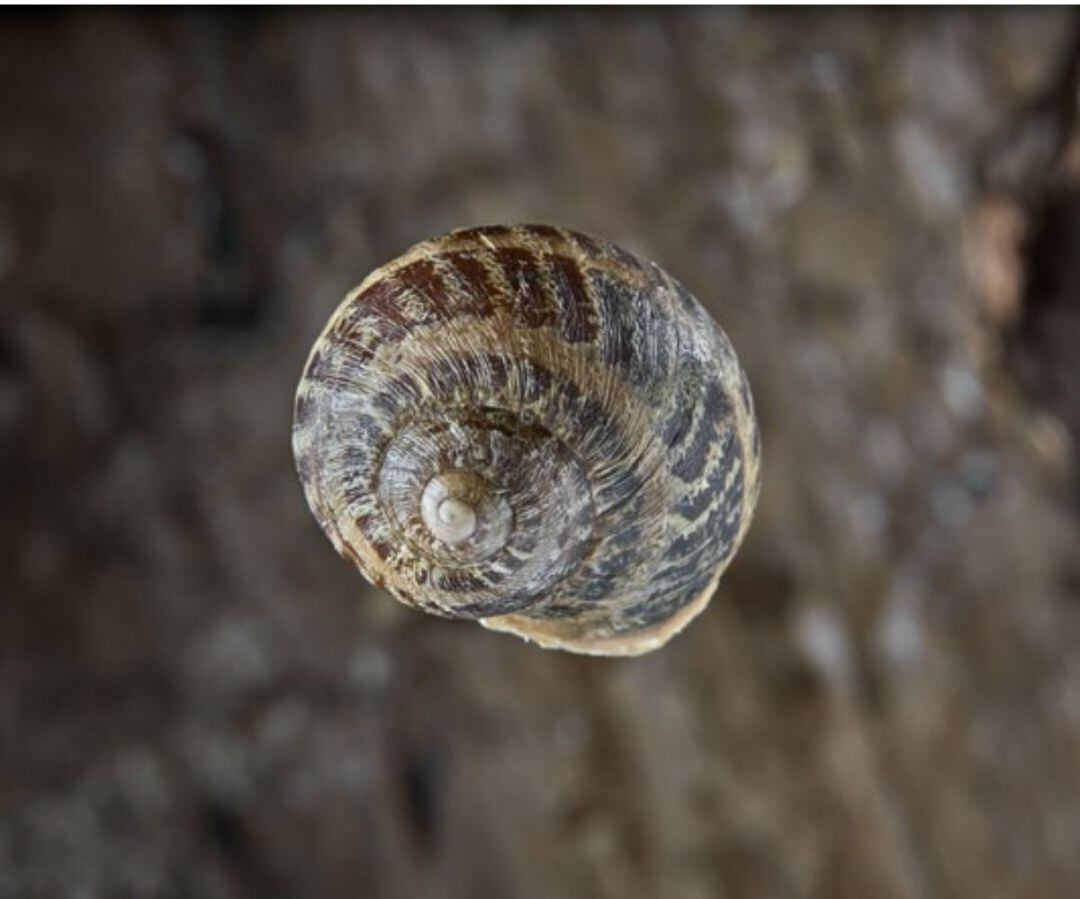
(473, 283)
(577, 313)
(423, 294)
(530, 298)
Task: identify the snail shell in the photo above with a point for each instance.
(534, 428)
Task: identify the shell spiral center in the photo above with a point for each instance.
(466, 514)
(485, 501)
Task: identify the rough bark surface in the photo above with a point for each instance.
(199, 698)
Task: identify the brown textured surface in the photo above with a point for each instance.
(197, 698)
(622, 458)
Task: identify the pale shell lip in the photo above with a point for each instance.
(637, 643)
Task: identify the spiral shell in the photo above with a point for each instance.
(534, 428)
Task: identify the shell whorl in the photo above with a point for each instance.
(534, 428)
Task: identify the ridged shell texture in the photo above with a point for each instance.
(534, 428)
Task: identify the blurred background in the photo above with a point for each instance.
(198, 698)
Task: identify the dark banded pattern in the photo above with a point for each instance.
(532, 427)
